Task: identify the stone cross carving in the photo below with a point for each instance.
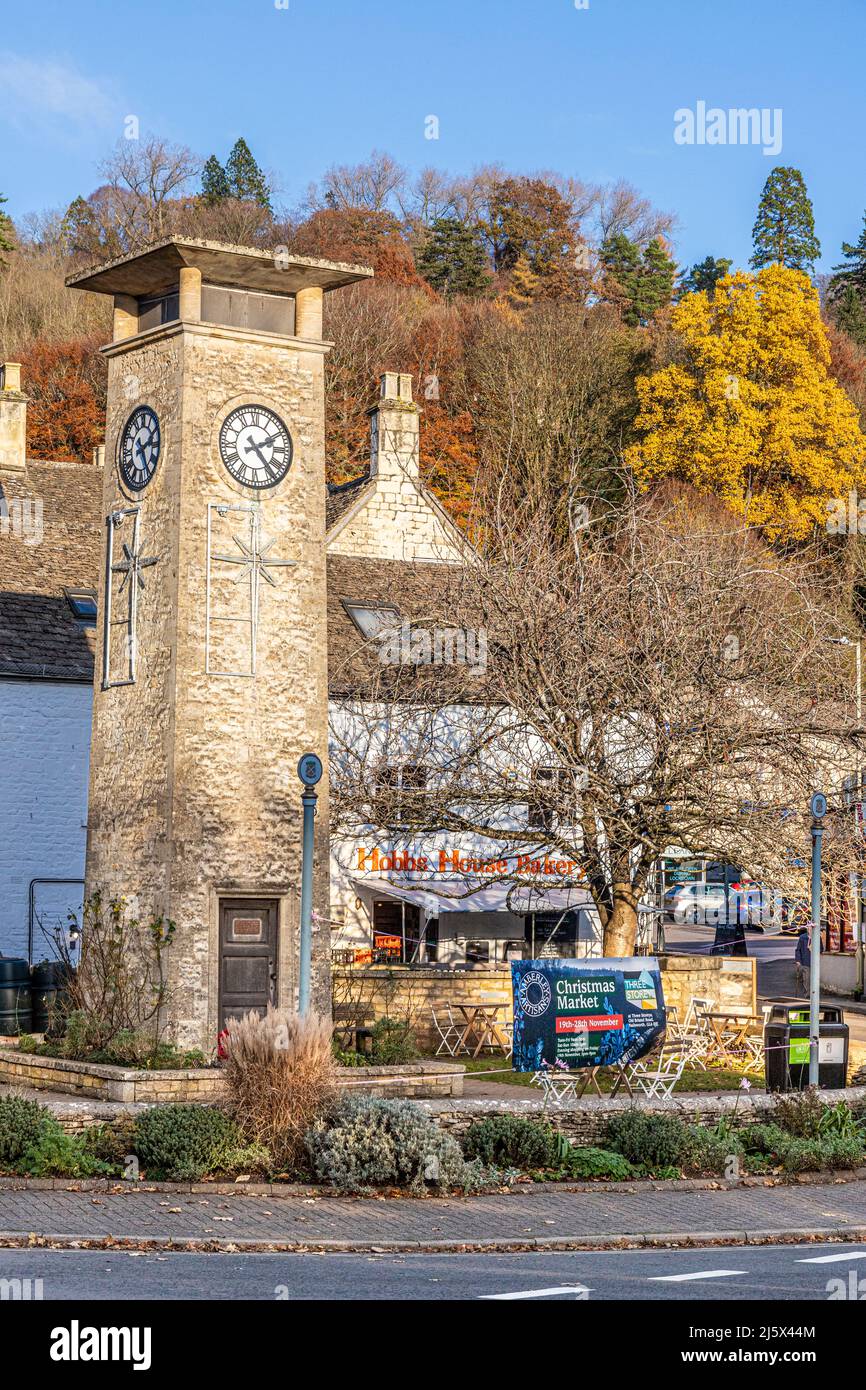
(253, 562)
(130, 567)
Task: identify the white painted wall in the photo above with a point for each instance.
(44, 769)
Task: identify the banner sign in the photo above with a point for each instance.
(585, 1013)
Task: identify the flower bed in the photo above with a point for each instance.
(361, 1143)
(426, 1079)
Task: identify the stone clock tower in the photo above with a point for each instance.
(211, 673)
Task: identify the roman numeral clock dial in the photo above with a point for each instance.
(255, 447)
(138, 448)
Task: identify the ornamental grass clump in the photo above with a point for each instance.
(281, 1078)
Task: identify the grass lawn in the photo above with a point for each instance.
(692, 1079)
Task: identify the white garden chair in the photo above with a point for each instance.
(695, 1031)
(449, 1033)
(557, 1086)
(658, 1074)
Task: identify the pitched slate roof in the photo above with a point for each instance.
(39, 637)
(50, 527)
(422, 592)
(342, 496)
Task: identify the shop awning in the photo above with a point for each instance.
(435, 896)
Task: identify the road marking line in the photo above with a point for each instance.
(832, 1259)
(700, 1274)
(577, 1290)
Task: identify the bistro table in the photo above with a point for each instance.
(731, 1037)
(482, 1026)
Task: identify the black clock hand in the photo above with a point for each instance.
(252, 445)
(140, 452)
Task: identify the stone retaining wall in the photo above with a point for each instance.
(584, 1121)
(206, 1085)
(368, 993)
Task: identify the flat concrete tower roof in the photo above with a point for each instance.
(156, 268)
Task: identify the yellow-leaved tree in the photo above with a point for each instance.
(749, 411)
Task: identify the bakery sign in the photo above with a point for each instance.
(374, 860)
(585, 1013)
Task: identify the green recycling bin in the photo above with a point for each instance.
(786, 1048)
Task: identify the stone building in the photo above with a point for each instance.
(176, 605)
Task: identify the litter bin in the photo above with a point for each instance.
(786, 1048)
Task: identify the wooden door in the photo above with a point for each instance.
(248, 956)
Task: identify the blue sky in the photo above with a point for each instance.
(532, 84)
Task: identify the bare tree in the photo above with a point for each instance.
(372, 327)
(618, 207)
(658, 678)
(552, 391)
(372, 184)
(147, 178)
(433, 194)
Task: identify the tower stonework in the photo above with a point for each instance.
(211, 671)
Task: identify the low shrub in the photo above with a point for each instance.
(840, 1121)
(711, 1150)
(56, 1154)
(393, 1042)
(131, 1049)
(800, 1113)
(648, 1141)
(21, 1123)
(349, 1057)
(799, 1154)
(597, 1163)
(83, 1036)
(106, 1145)
(281, 1079)
(368, 1142)
(184, 1143)
(511, 1141)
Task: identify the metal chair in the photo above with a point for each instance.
(556, 1086)
(660, 1079)
(449, 1034)
(672, 1021)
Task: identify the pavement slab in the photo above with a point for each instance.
(514, 1219)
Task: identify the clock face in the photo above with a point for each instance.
(255, 446)
(138, 448)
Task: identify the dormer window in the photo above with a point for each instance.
(372, 619)
(83, 605)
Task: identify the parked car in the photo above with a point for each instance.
(701, 904)
(748, 904)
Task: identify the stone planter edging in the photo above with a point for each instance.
(131, 1086)
(584, 1121)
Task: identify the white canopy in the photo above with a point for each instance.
(436, 896)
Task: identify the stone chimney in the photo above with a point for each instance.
(13, 420)
(394, 430)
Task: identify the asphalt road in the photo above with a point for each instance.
(775, 965)
(727, 1274)
(688, 939)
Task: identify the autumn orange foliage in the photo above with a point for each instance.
(66, 387)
